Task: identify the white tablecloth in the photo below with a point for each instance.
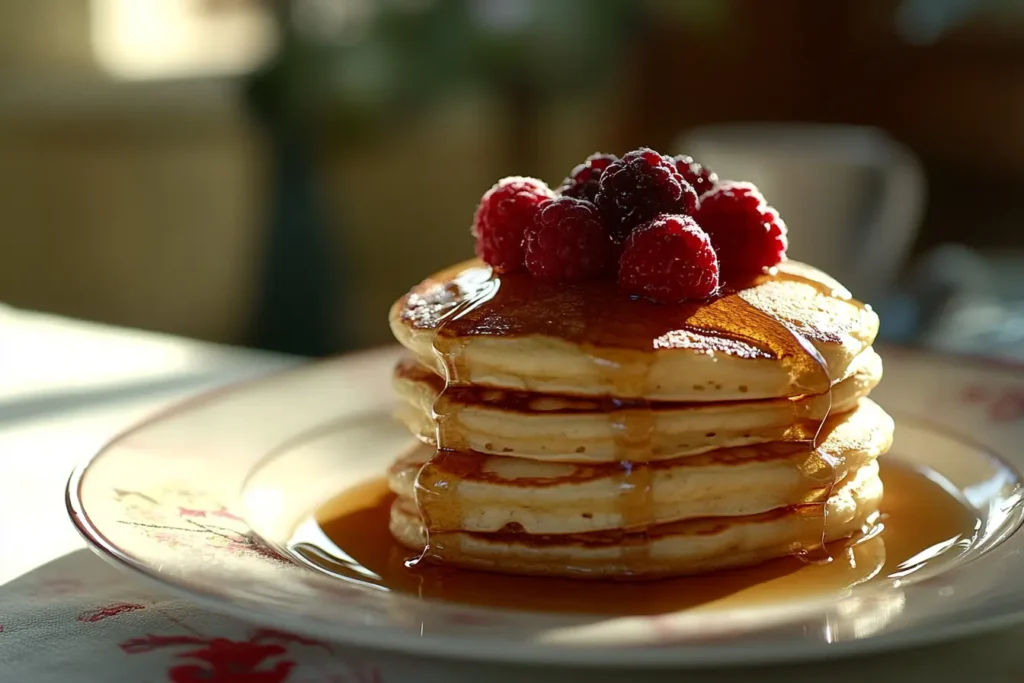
(65, 388)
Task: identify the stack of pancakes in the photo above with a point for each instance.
(583, 433)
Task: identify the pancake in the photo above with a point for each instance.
(585, 433)
(575, 429)
(686, 547)
(488, 493)
(591, 339)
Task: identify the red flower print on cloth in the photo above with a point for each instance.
(108, 611)
(223, 660)
(1002, 404)
(260, 659)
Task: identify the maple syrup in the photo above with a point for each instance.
(620, 334)
(921, 525)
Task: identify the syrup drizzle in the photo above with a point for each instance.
(438, 510)
(620, 336)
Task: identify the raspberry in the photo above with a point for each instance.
(748, 235)
(701, 178)
(582, 183)
(669, 259)
(568, 242)
(638, 187)
(503, 215)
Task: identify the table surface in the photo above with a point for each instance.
(65, 615)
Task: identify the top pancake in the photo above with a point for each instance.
(788, 333)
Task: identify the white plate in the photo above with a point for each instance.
(184, 499)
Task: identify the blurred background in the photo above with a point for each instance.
(274, 174)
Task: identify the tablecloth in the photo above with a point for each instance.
(65, 615)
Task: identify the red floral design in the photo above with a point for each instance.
(224, 660)
(285, 636)
(226, 514)
(1002, 404)
(248, 543)
(172, 525)
(178, 518)
(109, 611)
(220, 660)
(221, 512)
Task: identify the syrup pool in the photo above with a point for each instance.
(922, 526)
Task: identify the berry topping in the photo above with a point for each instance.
(666, 226)
(748, 235)
(638, 187)
(702, 179)
(504, 213)
(567, 242)
(669, 259)
(582, 183)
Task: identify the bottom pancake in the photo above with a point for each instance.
(688, 547)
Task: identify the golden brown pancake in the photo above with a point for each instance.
(486, 493)
(579, 429)
(591, 339)
(687, 547)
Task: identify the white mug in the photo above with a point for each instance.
(852, 197)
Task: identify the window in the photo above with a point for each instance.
(166, 39)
